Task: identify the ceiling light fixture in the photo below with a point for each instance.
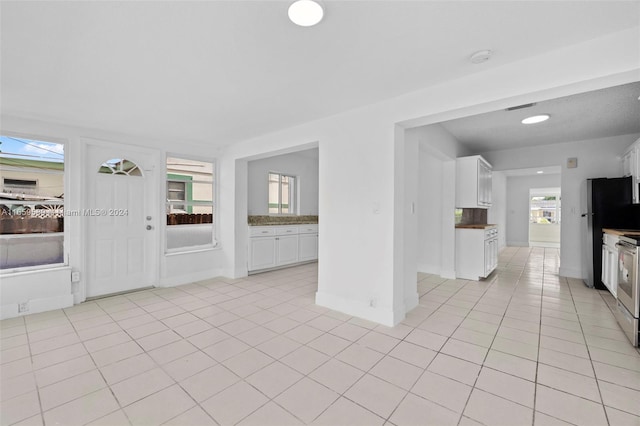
(306, 13)
(539, 172)
(480, 56)
(536, 119)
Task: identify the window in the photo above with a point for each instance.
(282, 194)
(545, 209)
(189, 204)
(31, 203)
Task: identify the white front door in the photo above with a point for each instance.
(121, 222)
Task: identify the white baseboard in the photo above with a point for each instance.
(448, 274)
(428, 269)
(191, 278)
(517, 243)
(384, 316)
(411, 302)
(570, 272)
(37, 305)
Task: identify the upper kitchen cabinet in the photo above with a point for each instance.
(631, 167)
(473, 182)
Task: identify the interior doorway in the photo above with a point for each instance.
(545, 217)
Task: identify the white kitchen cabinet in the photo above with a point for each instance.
(307, 247)
(631, 167)
(610, 262)
(262, 253)
(287, 249)
(275, 246)
(473, 182)
(476, 252)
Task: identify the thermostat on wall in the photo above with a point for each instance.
(572, 163)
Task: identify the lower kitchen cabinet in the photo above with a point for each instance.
(610, 262)
(286, 249)
(307, 247)
(275, 246)
(476, 252)
(262, 253)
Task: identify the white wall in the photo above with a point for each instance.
(302, 164)
(596, 158)
(517, 230)
(436, 230)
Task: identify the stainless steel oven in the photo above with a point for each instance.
(628, 305)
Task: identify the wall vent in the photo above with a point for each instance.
(520, 107)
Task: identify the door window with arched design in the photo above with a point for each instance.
(120, 166)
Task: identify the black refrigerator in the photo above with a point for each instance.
(607, 204)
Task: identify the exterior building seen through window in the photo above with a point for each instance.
(190, 206)
(282, 194)
(31, 203)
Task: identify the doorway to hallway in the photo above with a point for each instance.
(545, 217)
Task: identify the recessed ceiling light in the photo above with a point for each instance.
(480, 56)
(536, 119)
(539, 172)
(305, 13)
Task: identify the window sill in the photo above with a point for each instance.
(33, 269)
(177, 252)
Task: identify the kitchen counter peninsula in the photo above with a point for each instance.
(266, 220)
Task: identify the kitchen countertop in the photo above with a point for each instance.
(635, 232)
(266, 220)
(475, 226)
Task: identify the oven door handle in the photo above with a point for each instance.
(623, 246)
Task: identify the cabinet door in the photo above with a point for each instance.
(287, 249)
(613, 271)
(308, 247)
(484, 184)
(262, 253)
(495, 254)
(487, 257)
(606, 262)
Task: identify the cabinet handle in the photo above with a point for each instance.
(265, 232)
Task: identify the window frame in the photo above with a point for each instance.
(215, 227)
(66, 202)
(293, 194)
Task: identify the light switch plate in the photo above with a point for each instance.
(572, 163)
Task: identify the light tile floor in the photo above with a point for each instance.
(523, 347)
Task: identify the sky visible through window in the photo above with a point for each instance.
(12, 147)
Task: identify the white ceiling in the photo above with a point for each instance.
(216, 72)
(601, 113)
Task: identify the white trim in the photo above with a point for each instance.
(570, 273)
(449, 274)
(26, 270)
(191, 278)
(428, 269)
(517, 243)
(411, 302)
(198, 249)
(379, 315)
(37, 305)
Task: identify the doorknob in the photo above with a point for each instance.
(149, 227)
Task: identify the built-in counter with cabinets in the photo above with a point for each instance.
(610, 238)
(476, 250)
(278, 245)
